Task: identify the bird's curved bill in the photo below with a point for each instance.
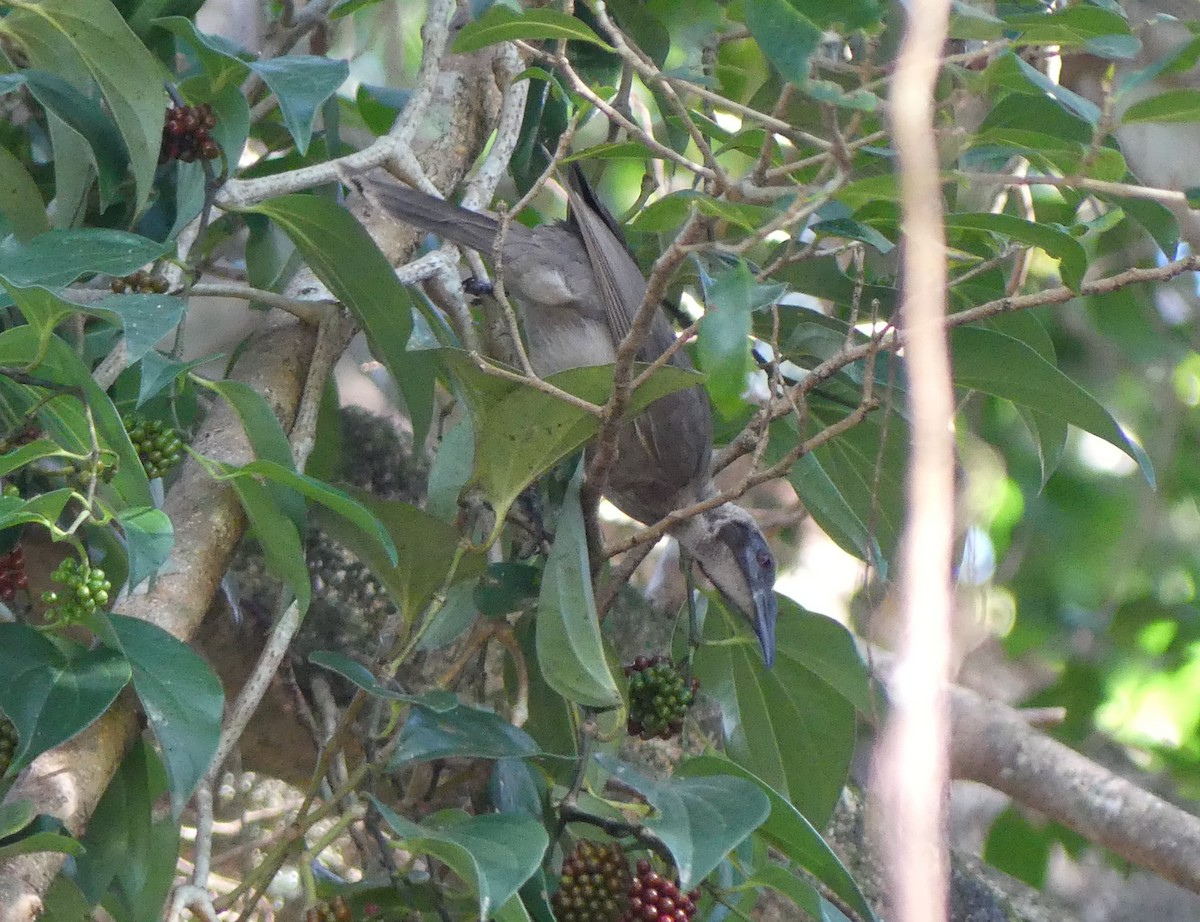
(766, 610)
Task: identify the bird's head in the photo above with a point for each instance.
(734, 555)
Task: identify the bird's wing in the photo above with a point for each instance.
(621, 285)
(674, 436)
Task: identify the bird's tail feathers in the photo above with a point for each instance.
(439, 217)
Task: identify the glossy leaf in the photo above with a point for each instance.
(62, 366)
(501, 24)
(53, 691)
(494, 853)
(786, 36)
(794, 725)
(277, 535)
(1057, 243)
(58, 257)
(345, 258)
(266, 437)
(1171, 106)
(301, 83)
(145, 318)
(723, 340)
(700, 819)
(804, 895)
(88, 40)
(569, 649)
(130, 850)
(77, 116)
(20, 201)
(786, 830)
(425, 548)
(182, 699)
(465, 731)
(1002, 366)
(830, 510)
(520, 432)
(149, 539)
(333, 499)
(359, 675)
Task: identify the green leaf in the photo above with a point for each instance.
(52, 692)
(41, 842)
(130, 850)
(1057, 243)
(15, 816)
(792, 726)
(43, 509)
(723, 341)
(302, 83)
(87, 40)
(501, 24)
(465, 731)
(804, 895)
(358, 674)
(451, 471)
(20, 201)
(182, 699)
(222, 66)
(787, 830)
(354, 512)
(266, 437)
(786, 36)
(62, 366)
(520, 432)
(1076, 25)
(346, 259)
(86, 123)
(145, 318)
(278, 536)
(425, 549)
(569, 649)
(58, 257)
(494, 853)
(866, 465)
(33, 451)
(830, 510)
(1171, 106)
(849, 229)
(700, 819)
(149, 539)
(1002, 366)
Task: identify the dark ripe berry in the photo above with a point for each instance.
(594, 885)
(654, 898)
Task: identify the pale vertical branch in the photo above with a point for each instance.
(912, 762)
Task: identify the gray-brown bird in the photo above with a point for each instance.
(579, 288)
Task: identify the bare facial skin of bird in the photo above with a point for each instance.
(578, 288)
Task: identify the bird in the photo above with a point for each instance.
(578, 288)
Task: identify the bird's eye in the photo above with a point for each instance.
(765, 561)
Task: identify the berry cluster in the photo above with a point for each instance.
(186, 134)
(12, 574)
(87, 591)
(8, 743)
(139, 283)
(654, 898)
(594, 886)
(335, 910)
(659, 697)
(158, 445)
